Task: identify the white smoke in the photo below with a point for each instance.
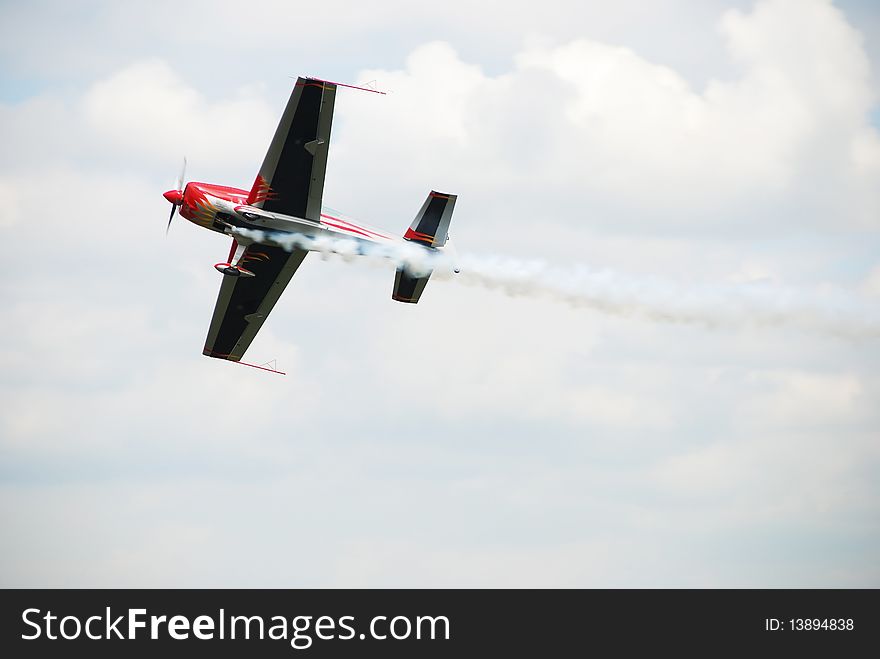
(711, 305)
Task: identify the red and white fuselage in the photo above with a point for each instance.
(221, 208)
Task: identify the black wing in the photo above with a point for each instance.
(291, 180)
(244, 302)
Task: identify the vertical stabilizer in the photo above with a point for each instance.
(430, 229)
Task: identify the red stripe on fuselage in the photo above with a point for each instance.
(349, 229)
(350, 226)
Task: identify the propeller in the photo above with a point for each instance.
(175, 196)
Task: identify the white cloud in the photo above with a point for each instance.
(871, 285)
(148, 107)
(806, 399)
(592, 123)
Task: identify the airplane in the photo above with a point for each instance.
(286, 200)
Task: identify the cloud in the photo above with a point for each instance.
(146, 106)
(871, 285)
(603, 121)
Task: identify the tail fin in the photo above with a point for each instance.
(431, 226)
(430, 229)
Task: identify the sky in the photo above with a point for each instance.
(687, 154)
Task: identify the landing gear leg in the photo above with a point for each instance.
(232, 267)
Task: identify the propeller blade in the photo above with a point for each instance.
(171, 217)
(179, 187)
(181, 175)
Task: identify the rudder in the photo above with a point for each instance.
(430, 228)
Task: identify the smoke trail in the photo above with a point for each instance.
(653, 298)
(715, 305)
